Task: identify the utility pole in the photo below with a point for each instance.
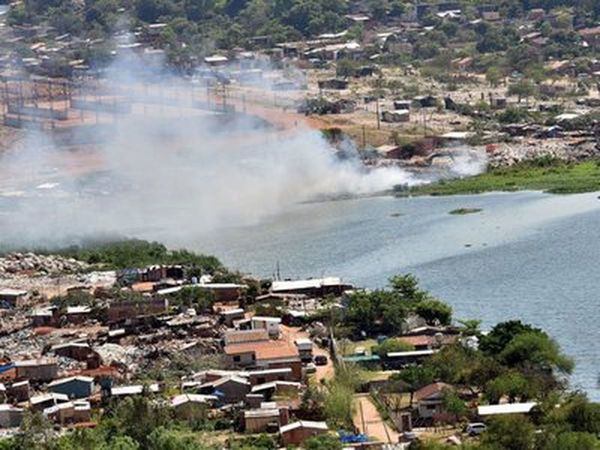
(362, 418)
(377, 111)
(364, 137)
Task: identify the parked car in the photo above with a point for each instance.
(408, 436)
(475, 429)
(320, 360)
(311, 368)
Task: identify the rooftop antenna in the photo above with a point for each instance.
(278, 272)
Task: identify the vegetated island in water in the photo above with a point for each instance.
(546, 174)
(464, 211)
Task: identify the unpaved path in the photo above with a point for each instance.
(368, 420)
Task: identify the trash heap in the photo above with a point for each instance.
(34, 264)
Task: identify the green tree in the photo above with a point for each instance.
(120, 443)
(511, 384)
(339, 405)
(407, 287)
(415, 377)
(513, 432)
(538, 350)
(572, 440)
(522, 89)
(377, 312)
(194, 296)
(137, 417)
(494, 76)
(470, 327)
(584, 416)
(434, 312)
(312, 405)
(453, 404)
(498, 338)
(35, 432)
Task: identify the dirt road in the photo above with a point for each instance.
(325, 372)
(368, 420)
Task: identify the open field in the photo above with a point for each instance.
(552, 177)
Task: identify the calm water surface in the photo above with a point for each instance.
(529, 256)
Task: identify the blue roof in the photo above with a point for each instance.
(7, 367)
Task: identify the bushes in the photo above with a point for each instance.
(129, 253)
(391, 345)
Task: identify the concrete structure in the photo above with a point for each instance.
(43, 317)
(43, 401)
(225, 292)
(18, 392)
(265, 355)
(121, 310)
(81, 351)
(69, 412)
(10, 416)
(271, 324)
(317, 287)
(12, 297)
(265, 376)
(230, 315)
(78, 314)
(36, 370)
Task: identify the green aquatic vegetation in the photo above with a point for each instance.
(551, 176)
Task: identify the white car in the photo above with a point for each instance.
(311, 368)
(475, 429)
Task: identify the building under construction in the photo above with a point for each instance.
(54, 104)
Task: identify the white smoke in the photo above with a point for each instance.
(175, 172)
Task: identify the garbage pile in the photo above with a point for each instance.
(34, 264)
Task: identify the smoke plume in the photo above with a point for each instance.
(168, 168)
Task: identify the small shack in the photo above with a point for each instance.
(297, 432)
(395, 116)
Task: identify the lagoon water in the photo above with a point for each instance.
(527, 255)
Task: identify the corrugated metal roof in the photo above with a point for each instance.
(305, 284)
(304, 424)
(506, 408)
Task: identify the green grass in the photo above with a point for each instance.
(348, 348)
(546, 175)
